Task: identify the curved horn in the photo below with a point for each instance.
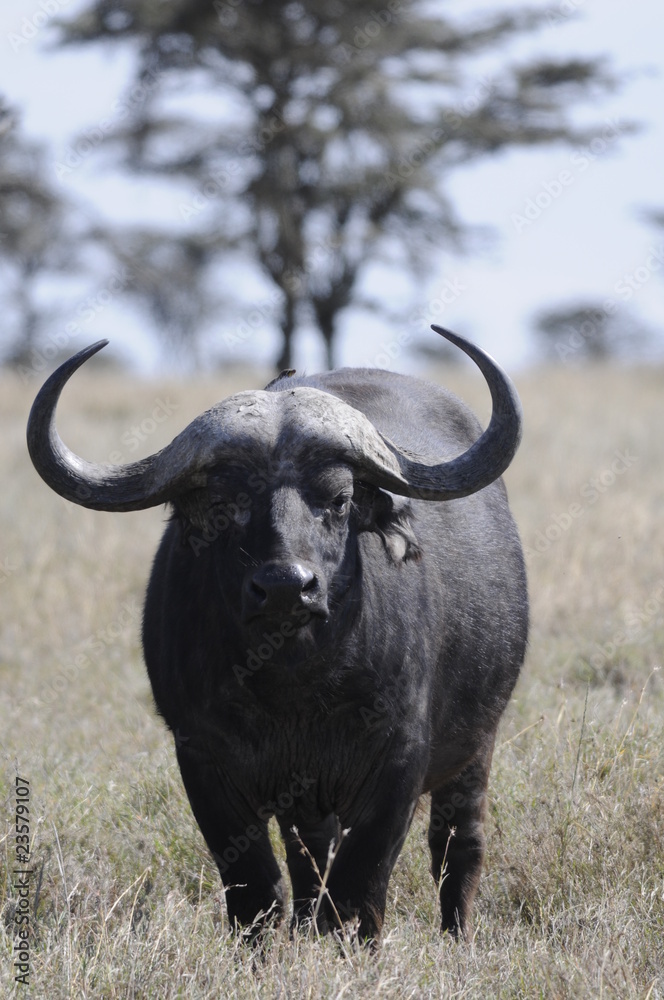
(182, 465)
(135, 486)
(484, 461)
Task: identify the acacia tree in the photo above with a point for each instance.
(592, 331)
(167, 276)
(340, 126)
(39, 240)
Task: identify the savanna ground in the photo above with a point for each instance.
(124, 899)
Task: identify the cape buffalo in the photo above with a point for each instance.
(335, 620)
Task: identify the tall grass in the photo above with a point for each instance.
(125, 899)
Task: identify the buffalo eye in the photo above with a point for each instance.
(225, 512)
(340, 503)
(241, 517)
(336, 506)
(330, 491)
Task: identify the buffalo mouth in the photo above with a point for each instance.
(289, 623)
(284, 644)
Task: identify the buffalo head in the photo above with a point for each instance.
(284, 478)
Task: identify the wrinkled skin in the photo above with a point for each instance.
(326, 652)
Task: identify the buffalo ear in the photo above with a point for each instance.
(391, 517)
(193, 510)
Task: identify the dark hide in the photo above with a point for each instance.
(384, 679)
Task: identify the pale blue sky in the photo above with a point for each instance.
(583, 239)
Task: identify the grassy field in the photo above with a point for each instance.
(124, 901)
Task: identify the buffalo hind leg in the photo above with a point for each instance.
(456, 841)
(307, 851)
(240, 846)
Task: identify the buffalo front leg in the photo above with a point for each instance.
(358, 881)
(239, 844)
(307, 852)
(456, 840)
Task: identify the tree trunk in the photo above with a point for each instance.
(21, 354)
(329, 348)
(325, 314)
(285, 359)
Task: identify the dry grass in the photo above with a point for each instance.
(572, 898)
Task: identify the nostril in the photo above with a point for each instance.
(257, 591)
(277, 588)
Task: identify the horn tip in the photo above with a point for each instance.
(76, 360)
(454, 338)
(97, 346)
(81, 357)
